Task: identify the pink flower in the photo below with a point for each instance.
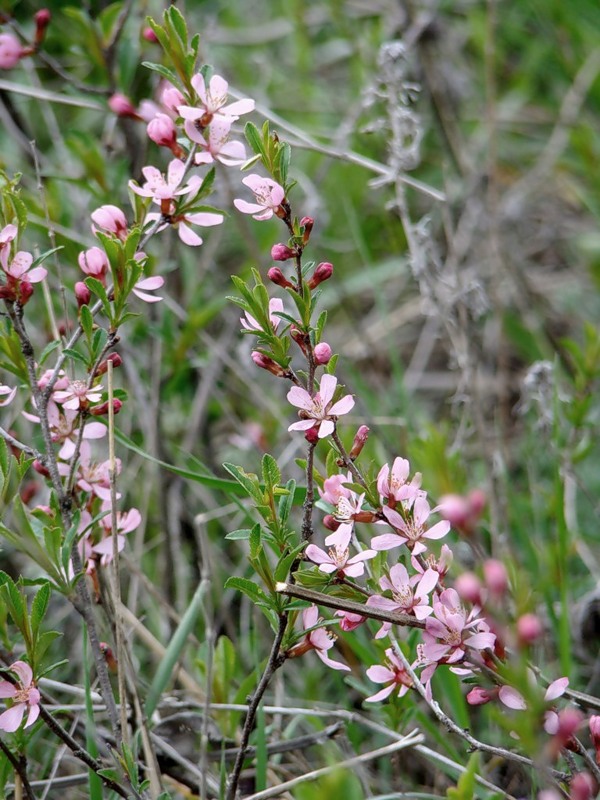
(170, 98)
(333, 488)
(6, 394)
(92, 477)
(337, 558)
(65, 430)
(94, 262)
(409, 595)
(268, 194)
(349, 621)
(19, 276)
(161, 129)
(122, 106)
(393, 484)
(24, 696)
(318, 411)
(216, 145)
(411, 530)
(126, 522)
(275, 306)
(110, 219)
(77, 395)
(160, 188)
(319, 640)
(213, 102)
(146, 285)
(441, 565)
(10, 52)
(393, 674)
(450, 631)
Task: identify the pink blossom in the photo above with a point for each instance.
(170, 98)
(6, 394)
(10, 51)
(126, 522)
(160, 187)
(78, 395)
(268, 194)
(496, 577)
(393, 673)
(146, 285)
(92, 477)
(24, 695)
(275, 306)
(440, 564)
(20, 268)
(337, 558)
(318, 411)
(349, 621)
(334, 489)
(319, 640)
(161, 129)
(409, 595)
(182, 223)
(94, 262)
(212, 102)
(215, 145)
(393, 484)
(110, 219)
(65, 429)
(451, 631)
(322, 353)
(122, 106)
(412, 530)
(511, 698)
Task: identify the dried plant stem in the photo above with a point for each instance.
(274, 661)
(20, 768)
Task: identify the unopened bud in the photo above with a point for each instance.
(277, 276)
(122, 106)
(322, 353)
(281, 252)
(323, 272)
(40, 468)
(307, 224)
(29, 491)
(529, 629)
(496, 578)
(11, 51)
(264, 362)
(24, 292)
(480, 696)
(300, 338)
(149, 35)
(116, 360)
(42, 20)
(161, 129)
(82, 294)
(103, 408)
(109, 657)
(594, 723)
(582, 787)
(360, 439)
(332, 524)
(468, 587)
(312, 435)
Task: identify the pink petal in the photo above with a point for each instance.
(330, 662)
(387, 541)
(188, 236)
(556, 689)
(247, 208)
(303, 425)
(511, 698)
(23, 670)
(438, 531)
(147, 298)
(317, 555)
(326, 428)
(34, 712)
(342, 406)
(11, 719)
(36, 275)
(381, 695)
(94, 430)
(327, 389)
(175, 172)
(7, 689)
(239, 107)
(205, 218)
(300, 398)
(380, 674)
(310, 616)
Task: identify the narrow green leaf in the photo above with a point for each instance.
(38, 608)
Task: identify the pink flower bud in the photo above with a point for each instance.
(307, 224)
(122, 106)
(24, 292)
(171, 98)
(480, 696)
(594, 724)
(264, 362)
(582, 787)
(82, 294)
(102, 409)
(468, 587)
(349, 621)
(323, 272)
(163, 132)
(149, 35)
(330, 522)
(281, 252)
(477, 501)
(39, 467)
(10, 51)
(277, 276)
(496, 578)
(300, 338)
(116, 360)
(322, 353)
(455, 508)
(94, 262)
(42, 20)
(529, 629)
(111, 219)
(360, 439)
(312, 435)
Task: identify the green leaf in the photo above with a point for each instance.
(241, 534)
(38, 608)
(270, 471)
(249, 481)
(287, 500)
(255, 543)
(75, 356)
(254, 139)
(285, 562)
(249, 588)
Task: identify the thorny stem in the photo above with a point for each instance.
(275, 660)
(20, 770)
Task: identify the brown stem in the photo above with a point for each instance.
(20, 768)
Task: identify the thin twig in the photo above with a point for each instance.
(20, 771)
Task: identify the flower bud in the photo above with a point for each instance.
(102, 410)
(582, 787)
(349, 621)
(122, 106)
(149, 35)
(468, 587)
(594, 723)
(10, 51)
(42, 20)
(529, 629)
(480, 696)
(322, 353)
(163, 132)
(264, 362)
(40, 468)
(94, 262)
(307, 224)
(109, 657)
(312, 435)
(24, 292)
(171, 98)
(281, 252)
(332, 524)
(82, 294)
(323, 272)
(496, 578)
(116, 360)
(277, 276)
(111, 219)
(300, 338)
(360, 439)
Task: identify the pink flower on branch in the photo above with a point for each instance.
(251, 324)
(393, 484)
(269, 196)
(11, 51)
(337, 558)
(409, 595)
(126, 522)
(24, 695)
(160, 187)
(6, 394)
(412, 530)
(319, 640)
(212, 102)
(19, 276)
(215, 145)
(110, 219)
(318, 411)
(391, 673)
(78, 395)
